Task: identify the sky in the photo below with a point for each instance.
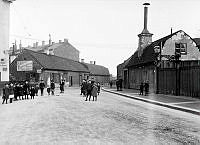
(104, 31)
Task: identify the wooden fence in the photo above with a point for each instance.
(184, 81)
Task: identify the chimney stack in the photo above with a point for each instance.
(60, 41)
(171, 31)
(82, 60)
(66, 40)
(20, 45)
(145, 17)
(145, 38)
(50, 39)
(36, 44)
(43, 43)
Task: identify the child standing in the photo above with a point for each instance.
(32, 92)
(94, 92)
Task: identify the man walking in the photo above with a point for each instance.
(42, 86)
(89, 90)
(141, 88)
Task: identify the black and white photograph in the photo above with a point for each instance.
(99, 72)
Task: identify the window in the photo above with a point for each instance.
(5, 69)
(181, 48)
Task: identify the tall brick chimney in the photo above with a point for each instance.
(145, 30)
(145, 38)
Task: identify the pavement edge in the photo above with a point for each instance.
(188, 110)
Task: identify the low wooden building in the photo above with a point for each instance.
(34, 66)
(98, 73)
(163, 71)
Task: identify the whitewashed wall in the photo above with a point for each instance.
(4, 39)
(181, 37)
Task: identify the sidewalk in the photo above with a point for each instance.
(182, 103)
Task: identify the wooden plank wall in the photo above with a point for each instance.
(189, 81)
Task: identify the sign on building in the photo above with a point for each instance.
(24, 65)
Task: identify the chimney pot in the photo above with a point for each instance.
(36, 44)
(94, 62)
(145, 17)
(82, 60)
(66, 40)
(43, 43)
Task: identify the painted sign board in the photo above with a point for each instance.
(24, 65)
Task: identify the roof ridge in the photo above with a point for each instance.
(34, 57)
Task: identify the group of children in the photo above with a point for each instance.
(20, 91)
(90, 89)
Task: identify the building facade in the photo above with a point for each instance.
(98, 73)
(4, 39)
(171, 64)
(34, 66)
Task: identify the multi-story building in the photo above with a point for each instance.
(4, 39)
(62, 49)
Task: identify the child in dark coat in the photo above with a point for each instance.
(32, 92)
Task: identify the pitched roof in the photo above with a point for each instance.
(53, 46)
(148, 55)
(52, 62)
(97, 69)
(197, 40)
(62, 44)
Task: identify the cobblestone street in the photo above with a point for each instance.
(68, 119)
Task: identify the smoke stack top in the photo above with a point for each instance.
(145, 17)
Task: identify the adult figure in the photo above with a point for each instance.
(94, 91)
(6, 93)
(52, 87)
(62, 84)
(83, 88)
(21, 91)
(141, 88)
(111, 83)
(26, 89)
(146, 88)
(42, 86)
(15, 91)
(117, 84)
(98, 88)
(89, 89)
(36, 89)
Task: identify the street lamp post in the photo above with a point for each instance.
(177, 63)
(157, 50)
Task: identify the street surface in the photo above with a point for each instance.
(68, 119)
